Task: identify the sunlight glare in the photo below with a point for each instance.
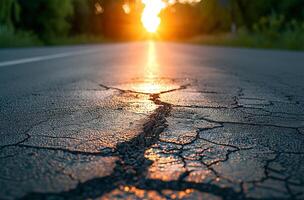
(150, 16)
(151, 81)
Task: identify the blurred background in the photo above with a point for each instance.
(248, 23)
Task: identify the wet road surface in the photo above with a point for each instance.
(151, 121)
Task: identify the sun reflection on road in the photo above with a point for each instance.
(151, 80)
(150, 16)
(152, 67)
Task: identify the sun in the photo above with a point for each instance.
(150, 16)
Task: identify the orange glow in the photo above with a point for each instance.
(126, 8)
(150, 16)
(152, 66)
(152, 81)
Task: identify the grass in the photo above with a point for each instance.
(10, 38)
(78, 39)
(291, 40)
(286, 40)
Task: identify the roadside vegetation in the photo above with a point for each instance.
(270, 32)
(246, 23)
(11, 38)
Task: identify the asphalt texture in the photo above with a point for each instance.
(151, 120)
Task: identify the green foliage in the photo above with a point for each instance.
(291, 9)
(80, 21)
(208, 16)
(250, 11)
(276, 29)
(274, 25)
(264, 23)
(292, 39)
(78, 39)
(270, 26)
(11, 38)
(214, 16)
(9, 12)
(47, 18)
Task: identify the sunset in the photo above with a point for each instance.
(151, 99)
(150, 15)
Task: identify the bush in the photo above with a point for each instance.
(78, 39)
(11, 38)
(47, 18)
(9, 12)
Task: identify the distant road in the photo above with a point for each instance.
(134, 118)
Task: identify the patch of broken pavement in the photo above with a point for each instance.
(182, 141)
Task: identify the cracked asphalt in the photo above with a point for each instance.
(151, 120)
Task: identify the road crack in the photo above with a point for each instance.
(132, 165)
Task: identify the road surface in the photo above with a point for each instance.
(151, 120)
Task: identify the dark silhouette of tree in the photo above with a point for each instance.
(9, 13)
(47, 18)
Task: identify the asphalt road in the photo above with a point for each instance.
(151, 121)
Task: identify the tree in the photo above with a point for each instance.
(214, 15)
(291, 9)
(180, 20)
(80, 21)
(9, 13)
(252, 11)
(47, 18)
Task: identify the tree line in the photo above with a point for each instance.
(111, 18)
